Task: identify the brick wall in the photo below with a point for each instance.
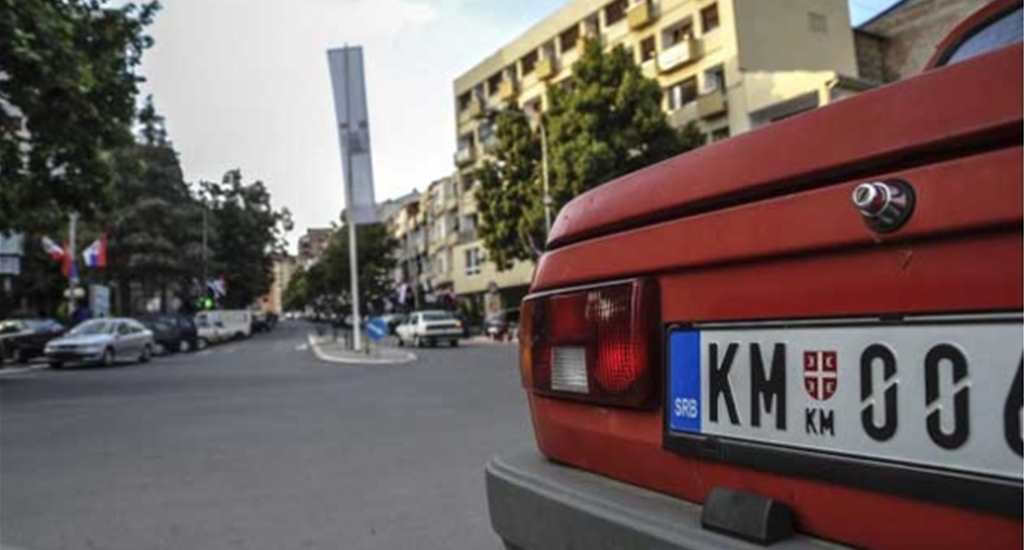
(911, 31)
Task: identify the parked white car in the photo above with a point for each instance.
(429, 327)
(219, 325)
(210, 330)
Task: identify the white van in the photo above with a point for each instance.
(225, 324)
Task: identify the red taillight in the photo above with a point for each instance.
(598, 345)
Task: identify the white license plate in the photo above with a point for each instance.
(944, 396)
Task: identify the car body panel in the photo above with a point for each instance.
(416, 325)
(128, 340)
(26, 338)
(762, 227)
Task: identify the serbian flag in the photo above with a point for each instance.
(53, 249)
(95, 255)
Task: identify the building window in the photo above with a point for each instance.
(682, 93)
(486, 132)
(464, 100)
(714, 79)
(474, 259)
(528, 62)
(709, 18)
(466, 142)
(719, 134)
(569, 37)
(648, 49)
(493, 83)
(677, 33)
(817, 22)
(615, 12)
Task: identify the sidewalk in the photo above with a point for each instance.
(334, 351)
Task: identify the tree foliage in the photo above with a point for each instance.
(68, 86)
(326, 286)
(603, 122)
(508, 186)
(246, 233)
(154, 226)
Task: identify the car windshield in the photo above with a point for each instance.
(93, 327)
(437, 316)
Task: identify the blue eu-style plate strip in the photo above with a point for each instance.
(684, 381)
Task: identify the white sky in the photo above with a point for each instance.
(244, 84)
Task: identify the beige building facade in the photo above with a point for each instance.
(729, 66)
(284, 268)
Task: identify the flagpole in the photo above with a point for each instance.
(72, 274)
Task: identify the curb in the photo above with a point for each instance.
(409, 357)
(21, 370)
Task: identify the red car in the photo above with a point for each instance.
(808, 334)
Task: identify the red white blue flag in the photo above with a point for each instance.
(53, 249)
(95, 255)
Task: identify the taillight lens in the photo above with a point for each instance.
(598, 345)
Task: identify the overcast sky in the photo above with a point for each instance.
(244, 84)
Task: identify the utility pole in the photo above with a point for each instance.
(206, 277)
(357, 337)
(72, 273)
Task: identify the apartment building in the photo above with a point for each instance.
(284, 269)
(727, 65)
(313, 244)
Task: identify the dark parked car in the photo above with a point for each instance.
(23, 339)
(172, 331)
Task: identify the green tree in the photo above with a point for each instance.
(326, 286)
(245, 233)
(68, 86)
(603, 122)
(155, 225)
(508, 188)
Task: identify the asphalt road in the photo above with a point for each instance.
(257, 444)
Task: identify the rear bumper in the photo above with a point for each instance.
(443, 333)
(535, 503)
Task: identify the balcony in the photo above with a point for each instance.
(711, 104)
(683, 115)
(451, 202)
(686, 51)
(468, 235)
(508, 90)
(467, 203)
(640, 15)
(464, 156)
(472, 111)
(545, 69)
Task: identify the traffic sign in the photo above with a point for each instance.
(376, 328)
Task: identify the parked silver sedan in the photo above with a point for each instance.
(102, 341)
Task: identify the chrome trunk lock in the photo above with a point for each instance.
(886, 205)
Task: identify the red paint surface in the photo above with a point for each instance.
(946, 108)
(809, 254)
